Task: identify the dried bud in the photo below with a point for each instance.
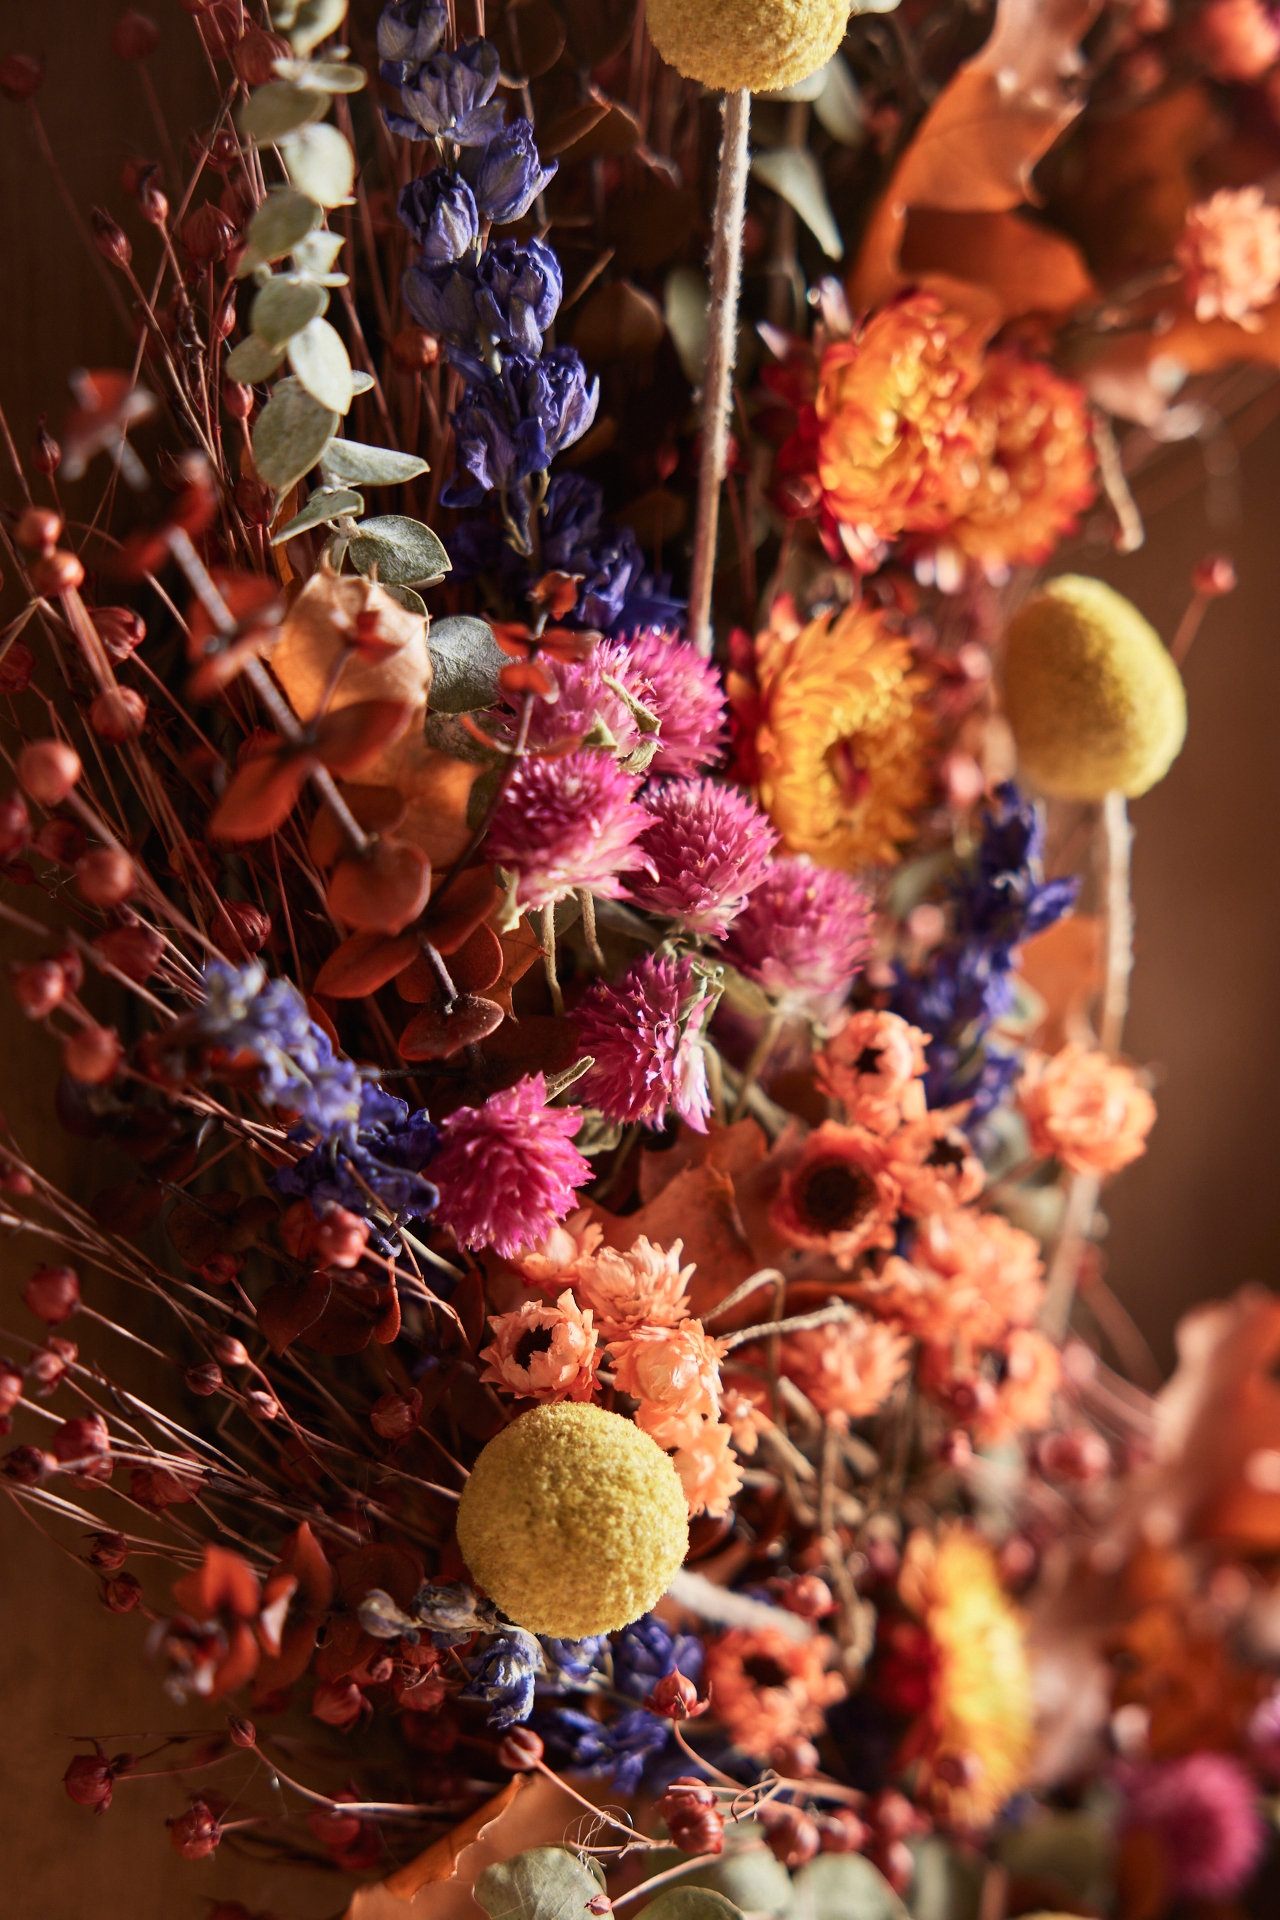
(205, 1379)
(133, 951)
(121, 1594)
(243, 1732)
(106, 876)
(46, 454)
(414, 350)
(230, 1352)
(796, 1759)
(134, 36)
(520, 1750)
(86, 1442)
(21, 75)
(335, 1238)
(57, 572)
(15, 824)
(195, 1833)
(17, 665)
(676, 1698)
(255, 54)
(62, 841)
(333, 1828)
(223, 153)
(153, 201)
(27, 1466)
(72, 968)
(892, 1815)
(52, 1294)
(694, 1822)
(48, 769)
(93, 1055)
(263, 1404)
(841, 1831)
(240, 929)
(1082, 1456)
(220, 1269)
(39, 988)
(395, 1416)
(206, 235)
(37, 529)
(120, 630)
(237, 399)
(108, 1552)
(1213, 576)
(10, 1387)
(808, 1596)
(110, 238)
(790, 1834)
(89, 1781)
(256, 502)
(51, 1363)
(118, 715)
(895, 1860)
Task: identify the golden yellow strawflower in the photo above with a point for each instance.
(1094, 700)
(974, 1740)
(843, 735)
(573, 1521)
(757, 44)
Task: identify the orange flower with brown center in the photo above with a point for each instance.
(934, 1163)
(544, 1352)
(765, 1687)
(874, 1066)
(840, 1197)
(1086, 1109)
(971, 1277)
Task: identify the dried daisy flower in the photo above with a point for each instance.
(843, 736)
(766, 1687)
(643, 1036)
(874, 1067)
(1229, 253)
(1085, 1109)
(840, 1197)
(934, 1163)
(643, 1286)
(568, 824)
(802, 935)
(709, 846)
(1037, 475)
(709, 1471)
(543, 1353)
(674, 1373)
(847, 1370)
(686, 694)
(552, 1262)
(507, 1171)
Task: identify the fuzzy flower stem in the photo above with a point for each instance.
(798, 1323)
(767, 1277)
(759, 1059)
(1130, 532)
(549, 955)
(587, 901)
(722, 320)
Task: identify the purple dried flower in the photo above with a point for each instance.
(576, 539)
(409, 32)
(514, 422)
(507, 1172)
(556, 394)
(1203, 1810)
(443, 300)
(506, 175)
(688, 699)
(643, 1036)
(452, 93)
(520, 289)
(246, 1012)
(567, 824)
(441, 214)
(711, 846)
(803, 934)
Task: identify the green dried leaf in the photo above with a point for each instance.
(547, 1883)
(291, 433)
(840, 107)
(284, 307)
(403, 550)
(324, 506)
(747, 1874)
(330, 76)
(278, 109)
(685, 299)
(466, 661)
(837, 1886)
(320, 361)
(252, 361)
(320, 163)
(794, 173)
(363, 466)
(284, 218)
(315, 254)
(406, 597)
(693, 1903)
(313, 22)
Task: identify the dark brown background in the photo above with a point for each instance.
(1200, 1214)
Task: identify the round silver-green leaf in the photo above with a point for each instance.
(320, 163)
(313, 22)
(403, 551)
(466, 661)
(252, 361)
(285, 306)
(362, 466)
(280, 108)
(285, 217)
(315, 254)
(836, 1885)
(406, 597)
(336, 76)
(291, 433)
(320, 361)
(693, 1903)
(361, 382)
(547, 1883)
(326, 504)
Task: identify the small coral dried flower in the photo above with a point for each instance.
(643, 1286)
(847, 1370)
(934, 1164)
(1037, 475)
(840, 1197)
(674, 1373)
(766, 1687)
(874, 1066)
(1086, 1109)
(543, 1352)
(709, 1471)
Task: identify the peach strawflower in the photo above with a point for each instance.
(873, 1066)
(543, 1353)
(743, 1414)
(1229, 253)
(646, 1285)
(549, 1265)
(765, 1687)
(934, 1163)
(674, 1373)
(898, 449)
(1085, 1109)
(849, 1369)
(843, 735)
(1037, 474)
(971, 1276)
(1024, 1398)
(709, 1472)
(840, 1197)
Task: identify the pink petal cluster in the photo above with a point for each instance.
(674, 1373)
(545, 1353)
(586, 707)
(686, 694)
(709, 1471)
(802, 935)
(709, 846)
(1203, 1811)
(568, 823)
(506, 1172)
(643, 1037)
(1229, 253)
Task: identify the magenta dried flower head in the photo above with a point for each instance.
(507, 1171)
(643, 1036)
(568, 823)
(587, 709)
(1203, 1810)
(687, 696)
(803, 934)
(710, 846)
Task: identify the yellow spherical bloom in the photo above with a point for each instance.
(843, 736)
(898, 448)
(1037, 473)
(757, 44)
(573, 1521)
(974, 1742)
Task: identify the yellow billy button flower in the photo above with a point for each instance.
(757, 44)
(573, 1521)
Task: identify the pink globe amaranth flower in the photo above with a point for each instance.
(688, 698)
(709, 1471)
(545, 1353)
(1229, 253)
(710, 846)
(567, 824)
(1203, 1810)
(802, 935)
(643, 1038)
(674, 1373)
(506, 1171)
(586, 707)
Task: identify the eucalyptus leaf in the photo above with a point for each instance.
(692, 1903)
(325, 505)
(446, 733)
(803, 92)
(316, 252)
(320, 361)
(685, 300)
(466, 661)
(284, 218)
(748, 1874)
(278, 109)
(285, 306)
(291, 433)
(330, 76)
(945, 1885)
(252, 361)
(313, 22)
(794, 173)
(547, 1883)
(361, 382)
(320, 163)
(362, 466)
(840, 108)
(838, 1886)
(406, 597)
(403, 550)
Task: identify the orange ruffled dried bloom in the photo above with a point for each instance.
(1024, 1398)
(544, 1353)
(974, 1741)
(849, 1369)
(898, 448)
(1229, 253)
(971, 1277)
(1037, 473)
(550, 1265)
(645, 1286)
(674, 1372)
(934, 1163)
(843, 738)
(709, 1472)
(1086, 1109)
(840, 1197)
(765, 1687)
(873, 1066)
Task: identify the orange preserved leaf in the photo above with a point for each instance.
(223, 1584)
(383, 890)
(262, 795)
(363, 963)
(351, 737)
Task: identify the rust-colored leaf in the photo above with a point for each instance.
(197, 1229)
(304, 1558)
(354, 1316)
(223, 1584)
(262, 794)
(376, 809)
(478, 962)
(363, 963)
(383, 890)
(528, 1812)
(536, 1043)
(437, 1034)
(451, 916)
(289, 1307)
(1063, 966)
(353, 736)
(238, 1664)
(519, 951)
(618, 322)
(129, 1208)
(1028, 267)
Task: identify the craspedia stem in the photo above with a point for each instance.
(722, 321)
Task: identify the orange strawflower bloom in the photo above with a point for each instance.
(1086, 1109)
(873, 1066)
(849, 1369)
(1024, 1398)
(645, 1286)
(840, 1197)
(934, 1163)
(709, 1471)
(843, 736)
(765, 1687)
(549, 1265)
(544, 1353)
(674, 1372)
(1036, 475)
(971, 1277)
(1229, 253)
